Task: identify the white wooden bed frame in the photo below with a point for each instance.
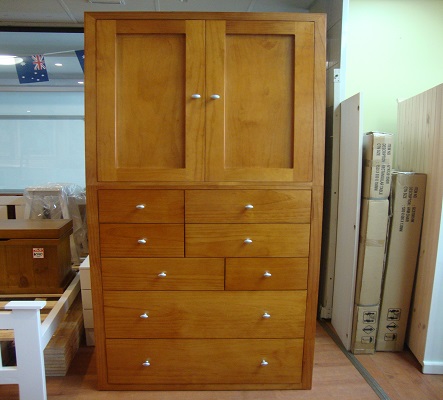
(31, 337)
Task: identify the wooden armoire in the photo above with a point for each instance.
(204, 148)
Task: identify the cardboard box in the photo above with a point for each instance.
(377, 165)
(35, 256)
(364, 329)
(407, 203)
(371, 252)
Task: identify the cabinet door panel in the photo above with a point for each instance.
(146, 74)
(262, 127)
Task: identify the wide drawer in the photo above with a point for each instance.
(200, 361)
(141, 206)
(266, 273)
(205, 314)
(248, 206)
(247, 240)
(163, 273)
(141, 240)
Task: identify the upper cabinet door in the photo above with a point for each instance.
(259, 101)
(150, 119)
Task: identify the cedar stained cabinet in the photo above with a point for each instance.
(194, 100)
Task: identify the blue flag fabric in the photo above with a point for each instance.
(32, 69)
(81, 58)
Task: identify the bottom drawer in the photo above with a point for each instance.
(196, 361)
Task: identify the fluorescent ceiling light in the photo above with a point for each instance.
(10, 60)
(107, 1)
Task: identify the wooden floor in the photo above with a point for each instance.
(335, 377)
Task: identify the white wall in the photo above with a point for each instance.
(393, 52)
(41, 139)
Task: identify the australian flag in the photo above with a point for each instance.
(32, 69)
(81, 58)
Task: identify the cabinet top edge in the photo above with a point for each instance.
(276, 16)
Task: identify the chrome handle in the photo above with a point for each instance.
(249, 206)
(144, 315)
(142, 241)
(147, 363)
(215, 96)
(264, 363)
(267, 274)
(247, 241)
(140, 206)
(266, 315)
(196, 96)
(162, 274)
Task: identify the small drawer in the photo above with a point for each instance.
(247, 240)
(163, 273)
(141, 240)
(207, 314)
(200, 361)
(141, 206)
(248, 206)
(266, 273)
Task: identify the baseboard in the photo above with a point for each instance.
(433, 367)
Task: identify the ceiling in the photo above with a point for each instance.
(30, 27)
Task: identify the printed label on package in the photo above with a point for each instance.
(38, 252)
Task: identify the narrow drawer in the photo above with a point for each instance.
(248, 206)
(205, 314)
(163, 273)
(199, 361)
(141, 206)
(247, 240)
(266, 273)
(141, 240)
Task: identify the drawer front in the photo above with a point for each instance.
(248, 206)
(141, 206)
(163, 273)
(200, 361)
(141, 240)
(205, 314)
(231, 240)
(266, 273)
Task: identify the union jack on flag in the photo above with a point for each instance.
(39, 62)
(32, 69)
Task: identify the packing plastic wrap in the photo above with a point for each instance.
(60, 201)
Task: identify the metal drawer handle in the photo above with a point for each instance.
(144, 315)
(266, 315)
(264, 363)
(142, 241)
(249, 206)
(267, 274)
(147, 363)
(215, 96)
(196, 96)
(162, 274)
(140, 206)
(247, 241)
